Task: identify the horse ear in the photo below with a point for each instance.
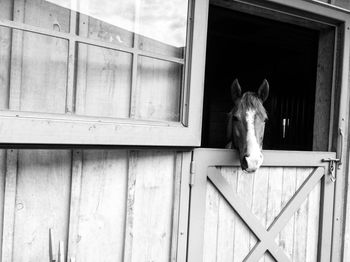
(236, 90)
(263, 91)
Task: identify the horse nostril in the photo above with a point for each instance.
(246, 156)
(244, 163)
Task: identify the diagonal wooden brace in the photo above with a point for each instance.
(266, 238)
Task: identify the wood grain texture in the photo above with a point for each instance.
(149, 239)
(2, 192)
(313, 217)
(274, 199)
(104, 86)
(5, 54)
(227, 220)
(44, 14)
(300, 220)
(286, 236)
(159, 90)
(211, 224)
(265, 193)
(9, 205)
(44, 74)
(39, 63)
(244, 239)
(323, 95)
(42, 202)
(112, 33)
(101, 215)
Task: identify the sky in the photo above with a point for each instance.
(162, 20)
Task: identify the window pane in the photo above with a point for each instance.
(162, 26)
(108, 20)
(38, 72)
(5, 59)
(103, 82)
(42, 13)
(158, 89)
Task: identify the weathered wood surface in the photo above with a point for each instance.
(104, 82)
(102, 204)
(39, 63)
(158, 81)
(41, 202)
(265, 193)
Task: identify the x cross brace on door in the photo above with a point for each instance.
(266, 237)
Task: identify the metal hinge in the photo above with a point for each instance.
(332, 166)
(192, 173)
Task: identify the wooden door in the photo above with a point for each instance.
(283, 212)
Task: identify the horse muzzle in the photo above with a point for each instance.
(251, 163)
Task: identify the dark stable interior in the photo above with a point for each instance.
(252, 48)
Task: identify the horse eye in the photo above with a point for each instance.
(235, 118)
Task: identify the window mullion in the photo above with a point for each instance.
(133, 92)
(72, 51)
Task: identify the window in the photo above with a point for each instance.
(297, 56)
(101, 72)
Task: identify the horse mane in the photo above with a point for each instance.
(249, 101)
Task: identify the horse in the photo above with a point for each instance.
(246, 125)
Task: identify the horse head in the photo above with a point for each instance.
(246, 124)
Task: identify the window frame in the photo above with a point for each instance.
(20, 127)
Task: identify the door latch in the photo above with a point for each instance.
(332, 166)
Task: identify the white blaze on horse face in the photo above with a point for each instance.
(254, 155)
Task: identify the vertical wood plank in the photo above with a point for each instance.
(152, 207)
(227, 218)
(104, 75)
(2, 192)
(286, 236)
(16, 57)
(81, 66)
(129, 220)
(300, 226)
(211, 224)
(72, 55)
(101, 217)
(313, 218)
(107, 84)
(135, 62)
(6, 12)
(260, 200)
(40, 83)
(159, 90)
(176, 206)
(77, 162)
(324, 80)
(244, 239)
(42, 202)
(274, 198)
(9, 205)
(184, 206)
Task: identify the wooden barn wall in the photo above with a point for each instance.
(103, 204)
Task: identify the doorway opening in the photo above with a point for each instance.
(297, 61)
